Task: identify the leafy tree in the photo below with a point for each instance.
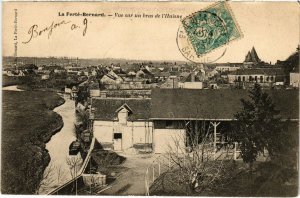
(292, 62)
(82, 95)
(259, 127)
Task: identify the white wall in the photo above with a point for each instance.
(103, 131)
(169, 140)
(231, 78)
(191, 85)
(95, 92)
(294, 79)
(140, 132)
(132, 132)
(226, 68)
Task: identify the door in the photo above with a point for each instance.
(117, 141)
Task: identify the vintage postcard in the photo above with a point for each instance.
(150, 98)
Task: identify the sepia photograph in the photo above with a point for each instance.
(167, 98)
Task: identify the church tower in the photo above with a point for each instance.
(252, 58)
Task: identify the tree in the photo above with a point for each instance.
(259, 127)
(195, 167)
(82, 94)
(74, 163)
(292, 62)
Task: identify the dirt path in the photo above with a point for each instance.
(132, 181)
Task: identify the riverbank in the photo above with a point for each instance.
(28, 123)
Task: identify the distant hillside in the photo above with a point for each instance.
(84, 62)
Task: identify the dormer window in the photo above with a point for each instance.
(123, 116)
(123, 113)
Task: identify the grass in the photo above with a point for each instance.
(54, 83)
(28, 122)
(13, 80)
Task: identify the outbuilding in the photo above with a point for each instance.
(162, 122)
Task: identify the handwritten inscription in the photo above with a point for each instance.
(85, 24)
(35, 31)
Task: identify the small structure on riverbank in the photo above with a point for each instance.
(96, 179)
(74, 148)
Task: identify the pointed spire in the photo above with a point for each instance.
(248, 57)
(254, 55)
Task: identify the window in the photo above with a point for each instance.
(169, 124)
(268, 78)
(272, 78)
(261, 78)
(255, 78)
(250, 78)
(244, 78)
(239, 79)
(117, 135)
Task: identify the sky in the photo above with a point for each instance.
(271, 27)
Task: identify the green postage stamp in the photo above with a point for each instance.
(211, 28)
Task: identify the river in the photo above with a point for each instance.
(11, 88)
(58, 148)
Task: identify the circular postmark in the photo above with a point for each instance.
(202, 37)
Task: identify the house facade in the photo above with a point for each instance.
(258, 75)
(193, 81)
(122, 124)
(126, 125)
(225, 67)
(111, 78)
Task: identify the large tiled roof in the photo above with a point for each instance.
(214, 104)
(105, 109)
(163, 74)
(207, 104)
(224, 64)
